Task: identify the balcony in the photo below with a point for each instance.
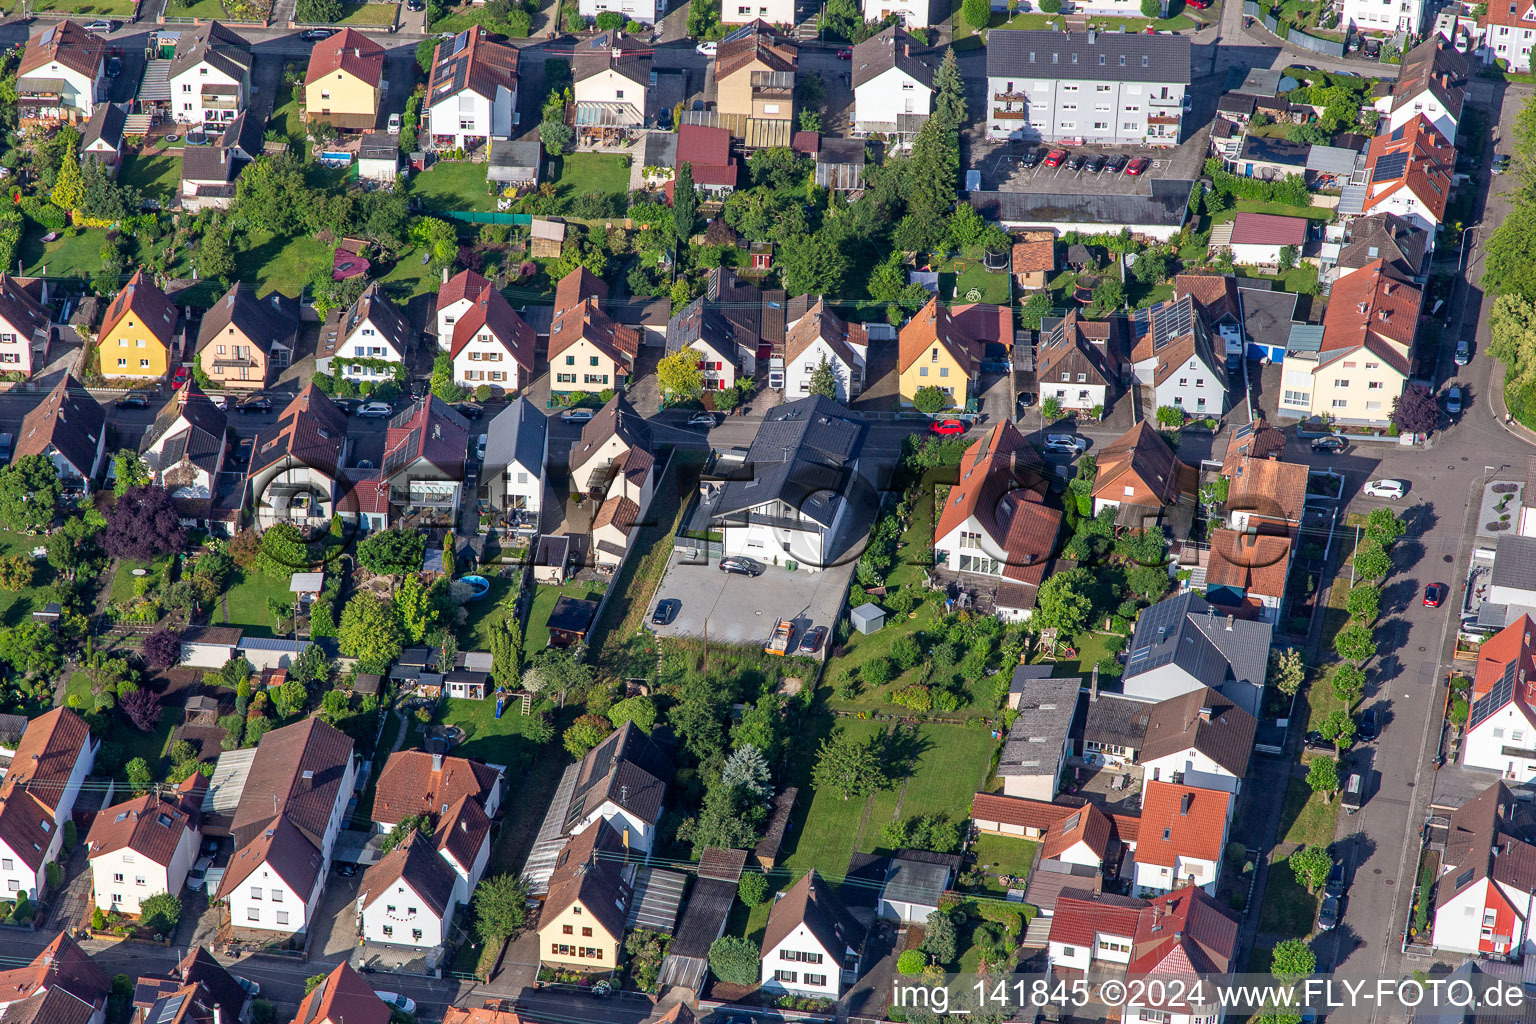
(1011, 97)
(220, 102)
(1165, 101)
(1008, 115)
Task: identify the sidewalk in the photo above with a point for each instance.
(1501, 411)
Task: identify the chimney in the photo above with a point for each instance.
(1184, 802)
(445, 275)
(437, 760)
(906, 49)
(357, 51)
(1205, 714)
(1229, 623)
(1364, 307)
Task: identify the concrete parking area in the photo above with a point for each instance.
(743, 609)
(1002, 169)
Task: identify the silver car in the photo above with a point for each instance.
(1064, 444)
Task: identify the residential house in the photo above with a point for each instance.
(1247, 572)
(516, 452)
(344, 81)
(1432, 81)
(934, 352)
(799, 495)
(1511, 644)
(513, 167)
(294, 473)
(1501, 729)
(418, 782)
(623, 781)
(244, 338)
(144, 846)
(995, 521)
(589, 351)
(1172, 353)
(60, 985)
(292, 806)
(757, 316)
(1365, 354)
(207, 179)
(1088, 926)
(366, 342)
(1254, 442)
(1410, 169)
(1138, 473)
(892, 84)
(1040, 739)
(26, 330)
(1114, 730)
(1181, 643)
(62, 74)
(137, 332)
(463, 838)
(821, 336)
(614, 447)
(1266, 323)
(37, 798)
(773, 12)
(101, 139)
(1506, 32)
(1362, 16)
(1108, 88)
(614, 526)
(838, 167)
(407, 897)
(492, 345)
(1265, 495)
(1261, 239)
(198, 990)
(755, 66)
(908, 13)
(811, 944)
(1077, 360)
(1033, 259)
(1270, 159)
(343, 998)
(1402, 247)
(425, 448)
(454, 299)
(69, 427)
(471, 93)
(1183, 836)
(611, 78)
(1199, 738)
(707, 330)
(184, 450)
(583, 919)
(1485, 897)
(707, 152)
(209, 78)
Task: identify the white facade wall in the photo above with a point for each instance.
(485, 360)
(1198, 771)
(264, 901)
(400, 917)
(1406, 204)
(447, 316)
(1485, 745)
(1256, 254)
(365, 342)
(1386, 16)
(471, 118)
(611, 87)
(1074, 395)
(801, 966)
(774, 12)
(79, 92)
(1426, 103)
(16, 877)
(893, 91)
(1198, 389)
(850, 377)
(123, 879)
(187, 104)
(909, 13)
(467, 876)
(1157, 878)
(642, 834)
(1101, 112)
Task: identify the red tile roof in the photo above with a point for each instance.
(349, 51)
(1373, 305)
(1512, 643)
(1426, 172)
(1014, 810)
(1029, 257)
(150, 826)
(1268, 229)
(1181, 821)
(492, 313)
(343, 998)
(466, 284)
(46, 756)
(933, 323)
(410, 784)
(62, 964)
(1256, 564)
(146, 303)
(1141, 459)
(1081, 915)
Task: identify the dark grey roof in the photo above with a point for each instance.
(892, 47)
(841, 151)
(1088, 56)
(1117, 721)
(217, 45)
(696, 322)
(378, 146)
(1514, 563)
(1332, 159)
(245, 138)
(802, 451)
(106, 125)
(265, 322)
(909, 880)
(1275, 151)
(1039, 733)
(206, 163)
(1167, 206)
(1236, 103)
(1186, 631)
(1259, 81)
(516, 434)
(516, 157)
(1267, 315)
(709, 904)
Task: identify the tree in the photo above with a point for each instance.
(812, 264)
(1292, 959)
(1348, 683)
(930, 399)
(746, 772)
(507, 653)
(1311, 865)
(160, 912)
(976, 12)
(1286, 670)
(417, 609)
(585, 733)
(144, 524)
(949, 91)
(1509, 257)
(442, 383)
(392, 552)
(1108, 297)
(1288, 254)
(215, 253)
(1171, 416)
(679, 375)
(1050, 409)
(703, 18)
(1371, 562)
(640, 710)
(685, 204)
(1062, 602)
(849, 767)
(933, 171)
(30, 648)
(1415, 411)
(370, 632)
(824, 380)
(501, 908)
(940, 940)
(318, 12)
(69, 187)
(143, 709)
(1364, 600)
(16, 572)
(735, 960)
(911, 961)
(29, 493)
(1338, 728)
(1385, 527)
(1355, 643)
(1512, 329)
(753, 888)
(1151, 266)
(310, 667)
(138, 775)
(1323, 775)
(403, 828)
(129, 471)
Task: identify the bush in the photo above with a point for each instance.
(735, 960)
(912, 961)
(1151, 9)
(1050, 6)
(753, 888)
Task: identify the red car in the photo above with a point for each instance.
(1198, 5)
(947, 428)
(845, 54)
(1138, 166)
(180, 377)
(1434, 595)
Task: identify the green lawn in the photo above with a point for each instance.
(452, 185)
(536, 636)
(281, 264)
(79, 685)
(1306, 818)
(67, 256)
(1278, 209)
(1004, 855)
(285, 114)
(247, 603)
(580, 173)
(368, 14)
(393, 723)
(151, 746)
(483, 615)
(122, 583)
(1288, 910)
(103, 8)
(958, 277)
(158, 176)
(199, 9)
(410, 276)
(16, 605)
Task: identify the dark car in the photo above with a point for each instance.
(1369, 726)
(664, 118)
(415, 5)
(1032, 158)
(1371, 49)
(1096, 162)
(740, 566)
(1026, 399)
(470, 410)
(114, 66)
(1076, 161)
(242, 455)
(1331, 445)
(260, 403)
(1434, 595)
(1314, 741)
(133, 401)
(346, 870)
(666, 611)
(811, 642)
(1117, 163)
(314, 35)
(1336, 880)
(1328, 914)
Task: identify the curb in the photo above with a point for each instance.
(1501, 414)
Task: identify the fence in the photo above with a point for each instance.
(1294, 36)
(479, 217)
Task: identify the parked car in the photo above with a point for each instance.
(1453, 400)
(1076, 161)
(133, 400)
(114, 67)
(947, 428)
(1314, 741)
(1138, 167)
(1369, 725)
(375, 410)
(666, 610)
(1337, 880)
(346, 870)
(1064, 444)
(396, 1001)
(242, 455)
(1371, 49)
(256, 403)
(470, 410)
(702, 419)
(1434, 595)
(1463, 352)
(576, 415)
(1327, 914)
(845, 54)
(180, 377)
(480, 447)
(1032, 158)
(1096, 163)
(252, 989)
(1390, 489)
(1198, 5)
(811, 642)
(1117, 163)
(1055, 157)
(99, 25)
(1331, 445)
(198, 876)
(1026, 399)
(393, 125)
(314, 35)
(1500, 163)
(740, 566)
(707, 49)
(415, 5)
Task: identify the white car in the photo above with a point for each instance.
(702, 419)
(577, 415)
(198, 876)
(707, 49)
(393, 127)
(381, 410)
(99, 25)
(1392, 489)
(480, 447)
(396, 1001)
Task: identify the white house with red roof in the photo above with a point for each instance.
(707, 152)
(145, 846)
(1257, 238)
(1409, 170)
(1075, 835)
(1501, 729)
(1484, 899)
(492, 345)
(1506, 31)
(457, 294)
(1089, 927)
(37, 797)
(1183, 833)
(1431, 82)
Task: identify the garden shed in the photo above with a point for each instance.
(514, 164)
(546, 237)
(867, 617)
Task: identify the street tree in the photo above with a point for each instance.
(1355, 643)
(1385, 527)
(1292, 959)
(1338, 728)
(1323, 775)
(1364, 600)
(1370, 561)
(1348, 683)
(1415, 411)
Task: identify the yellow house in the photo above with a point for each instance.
(344, 83)
(582, 923)
(934, 352)
(755, 74)
(137, 332)
(588, 351)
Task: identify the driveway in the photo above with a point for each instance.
(734, 609)
(335, 930)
